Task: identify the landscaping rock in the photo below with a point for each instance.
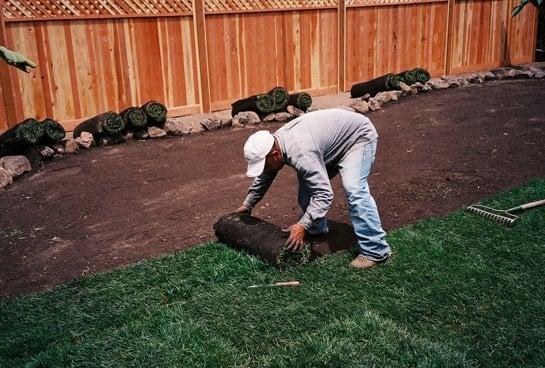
(405, 88)
(70, 146)
(366, 97)
(270, 117)
(181, 126)
(437, 83)
(212, 123)
(58, 148)
(395, 95)
(128, 135)
(504, 73)
(374, 104)
(15, 165)
(140, 134)
(46, 151)
(536, 72)
(246, 118)
(226, 122)
(383, 97)
(85, 140)
(474, 78)
(295, 111)
(283, 116)
(523, 74)
(5, 178)
(488, 76)
(155, 132)
(360, 106)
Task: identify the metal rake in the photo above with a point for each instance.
(504, 217)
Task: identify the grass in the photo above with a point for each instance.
(459, 292)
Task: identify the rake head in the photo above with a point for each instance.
(500, 216)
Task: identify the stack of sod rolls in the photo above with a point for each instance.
(29, 137)
(111, 127)
(276, 100)
(389, 82)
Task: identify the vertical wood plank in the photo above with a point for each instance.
(341, 23)
(9, 80)
(201, 54)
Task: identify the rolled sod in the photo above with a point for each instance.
(259, 238)
(260, 104)
(156, 113)
(16, 140)
(134, 117)
(53, 131)
(421, 75)
(280, 96)
(408, 77)
(371, 87)
(393, 81)
(301, 100)
(109, 123)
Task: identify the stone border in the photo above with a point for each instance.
(14, 166)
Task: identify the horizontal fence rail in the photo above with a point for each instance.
(201, 55)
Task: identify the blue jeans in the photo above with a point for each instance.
(354, 168)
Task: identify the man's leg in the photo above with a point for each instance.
(303, 197)
(355, 168)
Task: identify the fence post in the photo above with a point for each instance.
(202, 54)
(450, 37)
(341, 60)
(8, 80)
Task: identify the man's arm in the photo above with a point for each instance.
(16, 59)
(312, 171)
(257, 191)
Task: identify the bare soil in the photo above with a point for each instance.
(108, 207)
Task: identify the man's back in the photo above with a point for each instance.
(329, 133)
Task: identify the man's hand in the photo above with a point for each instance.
(296, 237)
(16, 59)
(244, 209)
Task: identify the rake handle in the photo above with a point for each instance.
(527, 206)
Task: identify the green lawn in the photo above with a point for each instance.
(459, 291)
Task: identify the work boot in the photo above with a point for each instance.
(362, 262)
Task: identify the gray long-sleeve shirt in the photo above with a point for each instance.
(313, 144)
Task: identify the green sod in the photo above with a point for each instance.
(459, 291)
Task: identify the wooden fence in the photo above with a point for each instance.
(201, 55)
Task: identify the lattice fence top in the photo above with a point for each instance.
(355, 3)
(222, 6)
(25, 9)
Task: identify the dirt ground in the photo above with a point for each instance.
(107, 207)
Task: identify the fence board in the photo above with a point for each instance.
(125, 52)
(91, 66)
(481, 39)
(394, 38)
(251, 53)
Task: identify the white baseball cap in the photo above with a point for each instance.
(256, 149)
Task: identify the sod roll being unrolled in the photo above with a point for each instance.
(53, 131)
(301, 100)
(109, 124)
(259, 238)
(280, 96)
(371, 87)
(260, 104)
(134, 117)
(156, 113)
